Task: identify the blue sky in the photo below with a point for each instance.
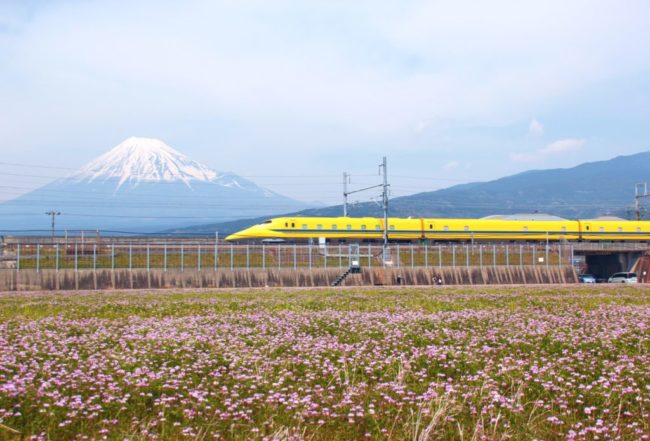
(293, 93)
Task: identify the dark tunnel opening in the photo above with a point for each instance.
(604, 265)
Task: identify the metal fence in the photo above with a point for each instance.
(205, 255)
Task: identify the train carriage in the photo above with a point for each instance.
(443, 229)
(610, 230)
(496, 229)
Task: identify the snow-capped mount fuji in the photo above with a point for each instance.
(144, 160)
(139, 160)
(143, 185)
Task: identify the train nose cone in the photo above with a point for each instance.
(243, 234)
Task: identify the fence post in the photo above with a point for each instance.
(453, 256)
(279, 257)
(467, 254)
(182, 258)
(521, 256)
(295, 257)
(38, 257)
(426, 255)
(147, 256)
(18, 258)
(507, 256)
(248, 261)
(165, 257)
(559, 254)
(398, 257)
(494, 256)
(369, 256)
(439, 256)
(480, 255)
(232, 257)
(94, 257)
(56, 257)
(571, 251)
(546, 258)
(340, 257)
(264, 257)
(534, 255)
(309, 252)
(198, 257)
(76, 267)
(325, 257)
(112, 257)
(216, 252)
(412, 256)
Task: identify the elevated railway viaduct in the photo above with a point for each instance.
(457, 263)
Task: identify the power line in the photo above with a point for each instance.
(17, 164)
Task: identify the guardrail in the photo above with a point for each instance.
(611, 246)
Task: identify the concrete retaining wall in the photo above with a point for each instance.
(142, 279)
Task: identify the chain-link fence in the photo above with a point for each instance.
(205, 255)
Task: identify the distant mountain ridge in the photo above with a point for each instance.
(142, 185)
(588, 190)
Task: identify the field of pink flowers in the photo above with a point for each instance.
(448, 363)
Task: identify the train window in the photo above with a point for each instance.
(293, 225)
(392, 227)
(587, 227)
(349, 227)
(319, 227)
(334, 227)
(377, 227)
(446, 228)
(286, 224)
(466, 228)
(268, 221)
(304, 226)
(525, 228)
(363, 227)
(431, 226)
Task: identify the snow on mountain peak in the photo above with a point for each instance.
(145, 160)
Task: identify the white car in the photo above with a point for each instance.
(622, 278)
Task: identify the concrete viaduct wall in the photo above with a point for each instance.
(142, 279)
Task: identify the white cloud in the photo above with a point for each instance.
(535, 128)
(555, 148)
(271, 79)
(451, 165)
(422, 125)
(371, 66)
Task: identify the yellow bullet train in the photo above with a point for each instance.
(370, 228)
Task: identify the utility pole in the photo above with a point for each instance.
(640, 191)
(53, 214)
(384, 197)
(346, 177)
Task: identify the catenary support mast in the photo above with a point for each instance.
(384, 197)
(345, 194)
